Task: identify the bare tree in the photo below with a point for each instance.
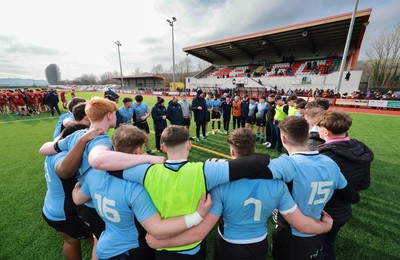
(384, 58)
(86, 79)
(138, 71)
(107, 77)
(53, 74)
(157, 69)
(187, 66)
(202, 65)
(180, 71)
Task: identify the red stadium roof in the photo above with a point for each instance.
(307, 37)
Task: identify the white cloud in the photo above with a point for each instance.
(79, 36)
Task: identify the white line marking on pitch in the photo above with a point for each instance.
(25, 120)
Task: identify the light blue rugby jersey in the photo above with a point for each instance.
(126, 114)
(117, 202)
(246, 206)
(53, 207)
(67, 143)
(209, 103)
(315, 177)
(140, 110)
(261, 108)
(57, 131)
(216, 104)
(252, 109)
(216, 173)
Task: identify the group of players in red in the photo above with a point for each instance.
(26, 101)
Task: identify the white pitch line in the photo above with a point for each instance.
(27, 120)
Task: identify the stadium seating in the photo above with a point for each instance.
(299, 68)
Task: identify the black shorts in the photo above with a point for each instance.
(226, 250)
(215, 115)
(287, 246)
(143, 126)
(260, 121)
(172, 255)
(136, 254)
(92, 220)
(250, 120)
(73, 227)
(208, 116)
(186, 121)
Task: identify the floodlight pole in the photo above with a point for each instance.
(171, 23)
(120, 64)
(346, 48)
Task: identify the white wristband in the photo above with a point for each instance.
(193, 219)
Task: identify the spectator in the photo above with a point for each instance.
(186, 112)
(226, 108)
(174, 112)
(236, 112)
(199, 108)
(159, 115)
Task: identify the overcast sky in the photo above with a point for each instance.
(79, 35)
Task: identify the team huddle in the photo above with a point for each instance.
(26, 102)
(131, 205)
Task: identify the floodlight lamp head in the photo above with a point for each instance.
(168, 21)
(174, 19)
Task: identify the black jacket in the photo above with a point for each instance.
(199, 115)
(156, 113)
(245, 108)
(226, 109)
(314, 141)
(271, 111)
(174, 113)
(354, 160)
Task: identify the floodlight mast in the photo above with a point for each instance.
(120, 64)
(346, 48)
(171, 23)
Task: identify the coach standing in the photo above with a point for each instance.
(199, 108)
(174, 112)
(159, 115)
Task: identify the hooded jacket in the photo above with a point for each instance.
(199, 115)
(174, 113)
(354, 160)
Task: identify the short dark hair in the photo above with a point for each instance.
(126, 100)
(79, 111)
(127, 138)
(73, 102)
(296, 130)
(174, 135)
(278, 97)
(291, 98)
(301, 103)
(337, 122)
(319, 102)
(72, 128)
(243, 141)
(139, 98)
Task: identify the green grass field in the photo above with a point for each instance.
(373, 233)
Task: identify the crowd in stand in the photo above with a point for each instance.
(167, 198)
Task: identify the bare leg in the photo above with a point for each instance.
(72, 247)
